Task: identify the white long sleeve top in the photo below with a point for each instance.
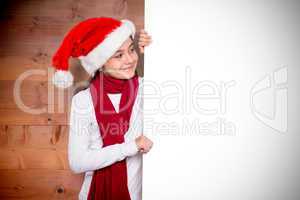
(85, 148)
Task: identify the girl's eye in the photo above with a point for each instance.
(118, 56)
(132, 49)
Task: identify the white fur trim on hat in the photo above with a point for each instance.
(62, 79)
(95, 59)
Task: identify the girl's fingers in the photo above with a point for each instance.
(143, 31)
(145, 37)
(144, 41)
(143, 34)
(143, 151)
(144, 44)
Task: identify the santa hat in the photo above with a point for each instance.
(93, 42)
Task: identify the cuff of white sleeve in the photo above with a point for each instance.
(130, 148)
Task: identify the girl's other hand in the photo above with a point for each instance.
(144, 144)
(144, 40)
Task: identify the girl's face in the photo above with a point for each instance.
(123, 63)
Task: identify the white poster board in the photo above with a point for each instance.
(222, 100)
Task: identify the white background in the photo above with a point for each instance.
(222, 100)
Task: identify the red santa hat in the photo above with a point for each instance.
(93, 42)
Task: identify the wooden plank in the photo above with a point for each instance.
(35, 29)
(9, 160)
(34, 137)
(39, 184)
(22, 158)
(13, 67)
(32, 94)
(40, 65)
(36, 23)
(34, 7)
(48, 144)
(30, 49)
(18, 117)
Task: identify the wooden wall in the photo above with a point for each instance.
(33, 147)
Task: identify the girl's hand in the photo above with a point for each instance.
(144, 40)
(143, 143)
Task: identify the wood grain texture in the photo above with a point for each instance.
(33, 146)
(37, 184)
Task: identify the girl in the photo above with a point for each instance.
(106, 121)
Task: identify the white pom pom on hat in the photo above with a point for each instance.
(93, 42)
(63, 79)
